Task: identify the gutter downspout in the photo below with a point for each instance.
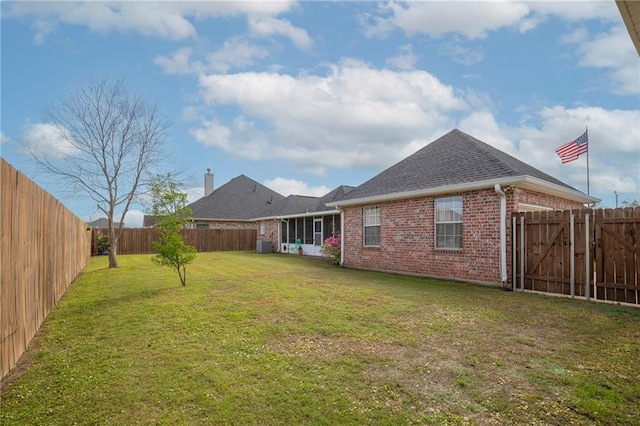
(503, 233)
(341, 235)
(287, 243)
(279, 225)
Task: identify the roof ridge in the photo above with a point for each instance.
(455, 158)
(506, 161)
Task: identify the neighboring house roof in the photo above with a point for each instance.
(103, 223)
(456, 162)
(298, 205)
(630, 12)
(149, 221)
(241, 198)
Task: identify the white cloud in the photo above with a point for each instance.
(615, 51)
(404, 60)
(579, 35)
(133, 219)
(179, 62)
(212, 133)
(42, 29)
(49, 140)
(575, 10)
(4, 138)
(374, 26)
(266, 26)
(194, 193)
(455, 49)
(355, 116)
(482, 125)
(235, 53)
(150, 19)
(435, 18)
(474, 20)
(191, 113)
(614, 149)
(169, 20)
(286, 187)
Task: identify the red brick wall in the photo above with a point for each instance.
(271, 233)
(407, 236)
(539, 199)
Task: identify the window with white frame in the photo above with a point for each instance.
(263, 227)
(448, 214)
(371, 226)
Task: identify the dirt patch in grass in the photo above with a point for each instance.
(325, 347)
(479, 373)
(24, 363)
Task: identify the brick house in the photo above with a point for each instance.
(301, 221)
(233, 205)
(444, 211)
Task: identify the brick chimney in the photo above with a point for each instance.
(208, 182)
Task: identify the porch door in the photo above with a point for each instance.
(317, 232)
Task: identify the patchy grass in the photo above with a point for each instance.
(272, 340)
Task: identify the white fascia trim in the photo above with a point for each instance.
(533, 207)
(549, 188)
(527, 182)
(292, 216)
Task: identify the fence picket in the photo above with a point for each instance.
(44, 247)
(138, 240)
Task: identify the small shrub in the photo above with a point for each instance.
(103, 243)
(331, 249)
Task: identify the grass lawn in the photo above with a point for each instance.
(275, 340)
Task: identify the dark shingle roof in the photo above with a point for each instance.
(453, 159)
(336, 195)
(301, 204)
(292, 204)
(103, 223)
(241, 198)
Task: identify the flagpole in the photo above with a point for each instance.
(586, 132)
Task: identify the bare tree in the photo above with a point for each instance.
(113, 139)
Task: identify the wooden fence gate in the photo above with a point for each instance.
(586, 253)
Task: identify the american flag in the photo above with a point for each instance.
(572, 150)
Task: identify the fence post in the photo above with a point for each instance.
(514, 256)
(587, 259)
(572, 259)
(522, 254)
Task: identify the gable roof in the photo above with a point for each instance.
(455, 162)
(241, 198)
(297, 205)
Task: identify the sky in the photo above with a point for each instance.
(306, 96)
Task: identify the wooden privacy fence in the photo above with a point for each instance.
(44, 247)
(138, 240)
(587, 253)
